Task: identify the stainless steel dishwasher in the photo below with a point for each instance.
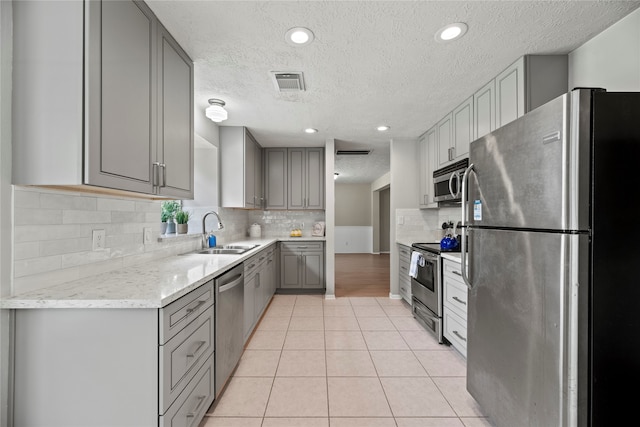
(229, 323)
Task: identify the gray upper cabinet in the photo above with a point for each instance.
(305, 178)
(123, 93)
(241, 168)
(444, 130)
(528, 83)
(462, 129)
(484, 110)
(275, 178)
(428, 162)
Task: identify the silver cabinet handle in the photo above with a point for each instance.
(302, 247)
(196, 307)
(155, 178)
(459, 336)
(456, 272)
(463, 252)
(196, 350)
(197, 408)
(460, 301)
(164, 174)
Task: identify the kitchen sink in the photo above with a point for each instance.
(227, 250)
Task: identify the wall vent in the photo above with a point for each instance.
(291, 81)
(352, 152)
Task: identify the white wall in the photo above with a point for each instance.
(404, 187)
(353, 204)
(354, 239)
(610, 60)
(330, 221)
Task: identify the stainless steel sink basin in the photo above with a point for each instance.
(227, 250)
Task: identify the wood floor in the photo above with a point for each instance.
(362, 275)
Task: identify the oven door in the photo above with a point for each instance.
(426, 286)
(427, 319)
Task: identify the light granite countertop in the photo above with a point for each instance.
(150, 285)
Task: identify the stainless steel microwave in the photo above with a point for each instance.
(447, 182)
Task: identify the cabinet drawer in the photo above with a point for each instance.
(190, 407)
(404, 253)
(455, 330)
(302, 246)
(455, 297)
(182, 355)
(178, 314)
(251, 266)
(452, 269)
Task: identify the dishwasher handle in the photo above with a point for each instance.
(235, 281)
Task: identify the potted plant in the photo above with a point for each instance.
(167, 216)
(182, 218)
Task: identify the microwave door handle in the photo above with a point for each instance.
(463, 250)
(451, 184)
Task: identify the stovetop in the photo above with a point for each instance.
(434, 247)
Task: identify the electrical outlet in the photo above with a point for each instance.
(146, 235)
(99, 237)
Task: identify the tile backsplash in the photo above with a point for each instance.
(53, 233)
(424, 225)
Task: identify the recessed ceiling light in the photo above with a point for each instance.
(451, 32)
(383, 128)
(311, 130)
(299, 36)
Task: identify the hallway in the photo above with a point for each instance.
(362, 275)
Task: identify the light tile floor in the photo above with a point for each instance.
(348, 362)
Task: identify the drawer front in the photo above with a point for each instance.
(455, 297)
(452, 269)
(301, 246)
(455, 330)
(192, 404)
(175, 316)
(404, 253)
(182, 355)
(250, 266)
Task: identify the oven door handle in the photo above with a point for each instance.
(463, 251)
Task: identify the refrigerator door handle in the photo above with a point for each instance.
(463, 251)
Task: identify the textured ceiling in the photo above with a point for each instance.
(372, 62)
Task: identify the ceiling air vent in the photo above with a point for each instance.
(352, 152)
(291, 81)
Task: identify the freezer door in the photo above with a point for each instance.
(522, 328)
(526, 173)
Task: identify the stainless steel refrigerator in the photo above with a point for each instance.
(553, 266)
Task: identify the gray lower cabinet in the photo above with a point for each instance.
(454, 303)
(123, 89)
(404, 280)
(259, 287)
(116, 367)
(302, 265)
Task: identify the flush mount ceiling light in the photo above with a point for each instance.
(310, 130)
(299, 36)
(451, 32)
(383, 128)
(215, 111)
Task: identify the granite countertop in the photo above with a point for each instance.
(150, 285)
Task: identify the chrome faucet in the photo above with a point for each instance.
(205, 241)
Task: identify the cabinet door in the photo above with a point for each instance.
(462, 129)
(313, 270)
(423, 196)
(295, 178)
(314, 175)
(258, 184)
(249, 170)
(249, 305)
(275, 178)
(510, 93)
(121, 96)
(484, 110)
(290, 270)
(175, 110)
(445, 136)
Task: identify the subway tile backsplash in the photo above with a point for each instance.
(424, 225)
(53, 233)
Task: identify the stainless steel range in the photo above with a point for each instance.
(426, 287)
